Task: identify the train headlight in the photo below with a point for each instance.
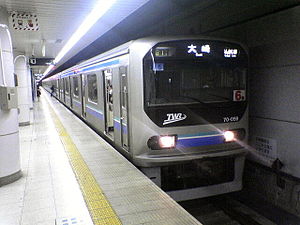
(233, 135)
(167, 141)
(229, 136)
(162, 142)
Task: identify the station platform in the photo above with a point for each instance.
(72, 176)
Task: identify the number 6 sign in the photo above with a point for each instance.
(239, 95)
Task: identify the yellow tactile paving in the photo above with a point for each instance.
(99, 208)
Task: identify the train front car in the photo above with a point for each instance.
(195, 115)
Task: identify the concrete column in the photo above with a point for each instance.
(23, 98)
(10, 169)
(3, 16)
(34, 86)
(30, 88)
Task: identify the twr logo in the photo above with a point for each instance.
(174, 117)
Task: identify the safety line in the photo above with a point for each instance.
(98, 206)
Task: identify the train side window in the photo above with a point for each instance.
(61, 84)
(92, 88)
(76, 86)
(56, 87)
(123, 87)
(67, 85)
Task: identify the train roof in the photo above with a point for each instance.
(147, 42)
(152, 40)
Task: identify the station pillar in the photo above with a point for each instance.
(10, 168)
(30, 93)
(21, 71)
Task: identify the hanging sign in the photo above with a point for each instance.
(40, 61)
(24, 21)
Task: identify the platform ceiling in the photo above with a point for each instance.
(57, 21)
(126, 20)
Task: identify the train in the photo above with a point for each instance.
(175, 106)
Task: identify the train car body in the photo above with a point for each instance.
(176, 107)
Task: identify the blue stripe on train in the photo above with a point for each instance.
(117, 125)
(90, 67)
(100, 115)
(95, 113)
(199, 134)
(77, 103)
(200, 141)
(98, 66)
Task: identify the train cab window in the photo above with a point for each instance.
(205, 83)
(183, 78)
(92, 88)
(76, 86)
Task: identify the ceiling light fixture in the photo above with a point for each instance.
(99, 10)
(48, 70)
(43, 47)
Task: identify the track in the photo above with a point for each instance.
(223, 210)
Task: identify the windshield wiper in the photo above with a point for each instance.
(195, 99)
(222, 97)
(209, 104)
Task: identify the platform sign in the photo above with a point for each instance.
(24, 21)
(40, 61)
(266, 147)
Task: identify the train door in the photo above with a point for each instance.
(71, 91)
(124, 107)
(83, 87)
(64, 89)
(58, 89)
(56, 92)
(108, 103)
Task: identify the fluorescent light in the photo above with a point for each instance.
(99, 10)
(48, 70)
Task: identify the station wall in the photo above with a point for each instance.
(273, 41)
(274, 46)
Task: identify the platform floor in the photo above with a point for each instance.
(72, 176)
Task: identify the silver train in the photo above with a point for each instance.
(176, 107)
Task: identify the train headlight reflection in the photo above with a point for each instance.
(162, 142)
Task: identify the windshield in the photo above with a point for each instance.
(194, 72)
(184, 82)
(195, 82)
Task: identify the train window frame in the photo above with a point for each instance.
(60, 84)
(75, 92)
(56, 88)
(92, 96)
(175, 69)
(67, 85)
